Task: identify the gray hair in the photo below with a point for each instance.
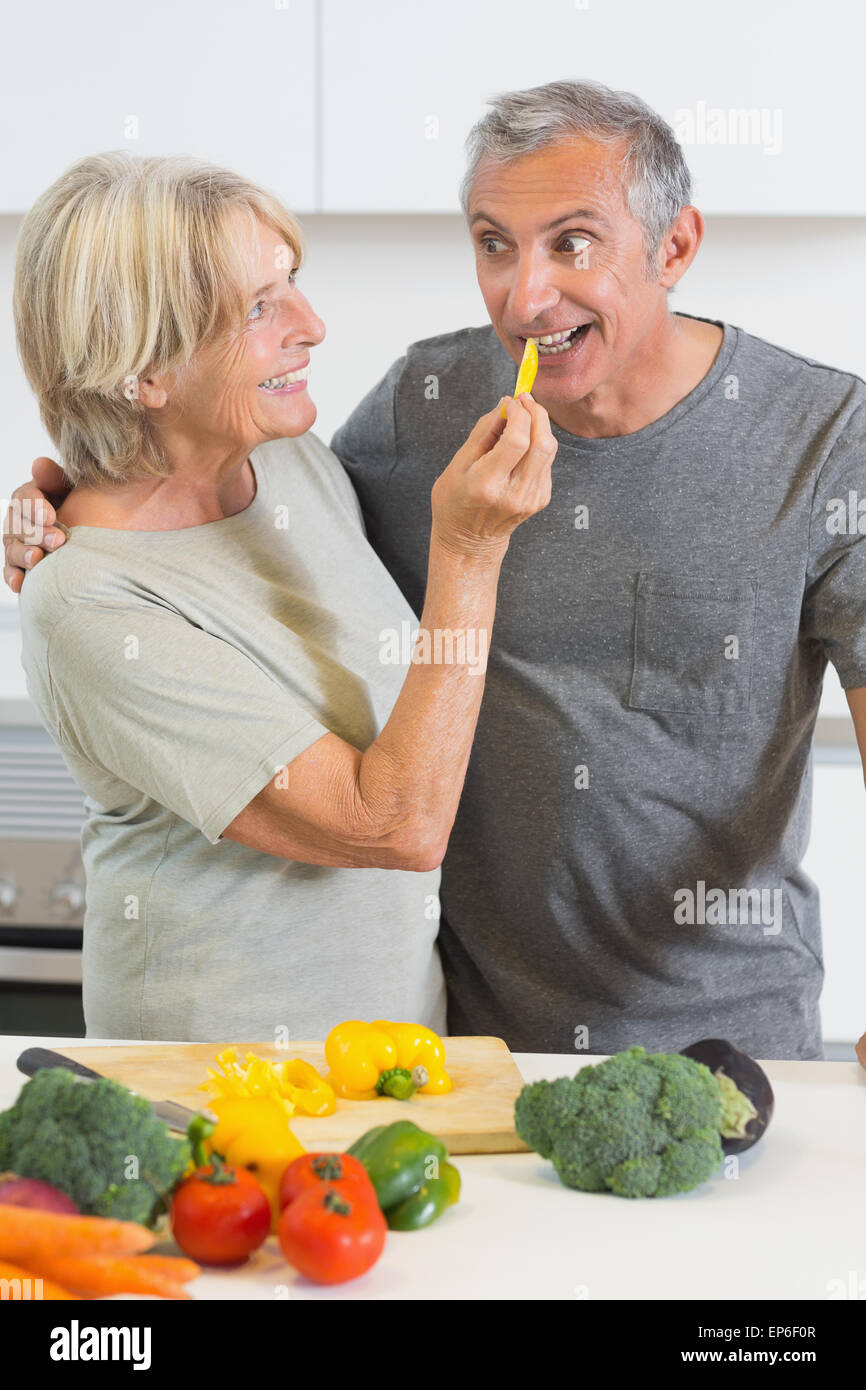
(656, 178)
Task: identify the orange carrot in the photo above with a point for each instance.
(97, 1276)
(33, 1291)
(172, 1267)
(27, 1235)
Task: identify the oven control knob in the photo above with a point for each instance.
(8, 895)
(69, 896)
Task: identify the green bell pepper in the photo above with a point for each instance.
(397, 1158)
(430, 1200)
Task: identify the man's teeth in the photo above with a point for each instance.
(274, 383)
(553, 343)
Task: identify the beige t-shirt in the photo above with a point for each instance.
(178, 671)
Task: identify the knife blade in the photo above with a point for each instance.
(177, 1117)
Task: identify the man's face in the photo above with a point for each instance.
(555, 248)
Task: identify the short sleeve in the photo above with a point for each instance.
(834, 606)
(366, 444)
(326, 459)
(181, 715)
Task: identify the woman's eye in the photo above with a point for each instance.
(260, 305)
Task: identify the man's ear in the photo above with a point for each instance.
(680, 246)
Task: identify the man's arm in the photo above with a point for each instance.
(857, 704)
(29, 521)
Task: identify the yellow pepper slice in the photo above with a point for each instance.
(526, 373)
(294, 1080)
(358, 1053)
(309, 1092)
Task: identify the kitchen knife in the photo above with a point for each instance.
(35, 1059)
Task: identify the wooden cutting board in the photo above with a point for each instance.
(477, 1116)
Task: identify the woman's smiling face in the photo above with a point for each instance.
(235, 388)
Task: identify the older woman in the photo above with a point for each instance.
(268, 796)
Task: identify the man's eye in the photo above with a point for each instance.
(488, 241)
(580, 242)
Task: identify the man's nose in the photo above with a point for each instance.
(532, 293)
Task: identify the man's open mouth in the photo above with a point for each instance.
(552, 344)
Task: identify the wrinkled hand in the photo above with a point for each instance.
(28, 527)
(496, 481)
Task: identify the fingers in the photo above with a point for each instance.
(23, 555)
(507, 440)
(14, 578)
(30, 518)
(526, 448)
(28, 530)
(480, 439)
(50, 477)
(542, 444)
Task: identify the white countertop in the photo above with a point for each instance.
(790, 1225)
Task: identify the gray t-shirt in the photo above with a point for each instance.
(178, 671)
(626, 854)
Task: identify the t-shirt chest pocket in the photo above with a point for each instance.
(693, 643)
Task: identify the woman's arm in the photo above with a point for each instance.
(393, 806)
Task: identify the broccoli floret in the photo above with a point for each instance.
(95, 1141)
(541, 1109)
(639, 1124)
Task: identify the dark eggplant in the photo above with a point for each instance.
(747, 1076)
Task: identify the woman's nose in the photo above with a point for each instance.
(304, 319)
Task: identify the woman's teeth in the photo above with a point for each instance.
(276, 383)
(552, 343)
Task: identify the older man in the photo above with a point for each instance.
(626, 861)
(625, 866)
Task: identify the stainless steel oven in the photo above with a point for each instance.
(42, 890)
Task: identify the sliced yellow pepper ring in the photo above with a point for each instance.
(527, 372)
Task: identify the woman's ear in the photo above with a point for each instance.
(152, 392)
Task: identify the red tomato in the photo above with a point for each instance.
(220, 1223)
(314, 1170)
(331, 1236)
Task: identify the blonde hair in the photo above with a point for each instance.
(127, 266)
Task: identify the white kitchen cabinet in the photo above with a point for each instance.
(403, 81)
(836, 860)
(228, 81)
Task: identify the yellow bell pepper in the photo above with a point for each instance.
(526, 373)
(384, 1058)
(254, 1132)
(294, 1080)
